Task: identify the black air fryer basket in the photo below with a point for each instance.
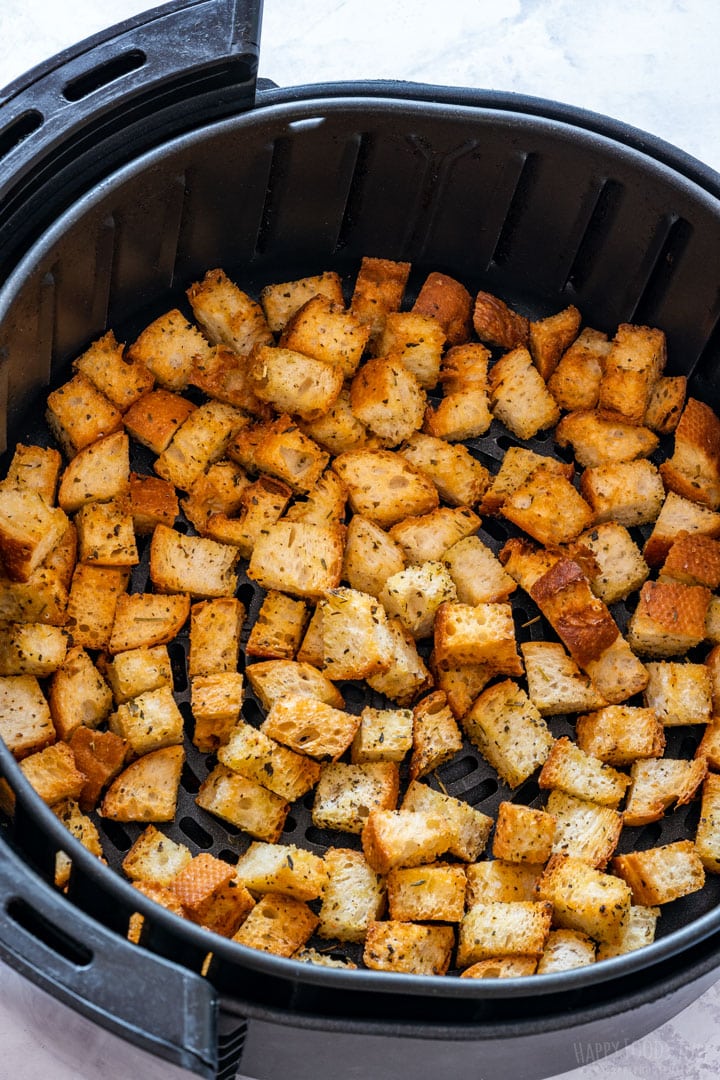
(129, 166)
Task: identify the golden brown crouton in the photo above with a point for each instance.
(299, 558)
(583, 828)
(292, 382)
(79, 825)
(79, 415)
(227, 315)
(356, 642)
(371, 556)
(551, 337)
(519, 397)
(93, 598)
(29, 530)
(100, 755)
(491, 929)
(407, 676)
(154, 419)
(354, 896)
(387, 398)
(36, 467)
(325, 502)
(570, 769)
(516, 466)
(26, 726)
(262, 503)
(167, 348)
(148, 789)
(192, 564)
(281, 300)
(384, 487)
(639, 930)
(565, 950)
(201, 440)
(693, 560)
(339, 430)
(493, 880)
(427, 893)
(498, 324)
(243, 803)
(620, 734)
(224, 375)
(662, 874)
(585, 899)
(460, 478)
(310, 726)
(417, 341)
(346, 795)
(657, 783)
(627, 492)
(78, 694)
(678, 516)
(575, 382)
(679, 693)
(597, 440)
(324, 330)
(533, 507)
(469, 828)
(218, 490)
(508, 731)
(477, 573)
(282, 868)
(414, 595)
(123, 382)
(99, 472)
(669, 618)
(555, 683)
(427, 537)
(278, 628)
(693, 471)
(464, 410)
(379, 288)
(277, 924)
(666, 403)
(31, 649)
(142, 620)
(523, 834)
(435, 734)
(621, 569)
(106, 536)
(53, 773)
(408, 947)
(392, 838)
(635, 362)
(275, 679)
(252, 754)
(383, 735)
(151, 502)
(445, 299)
(215, 701)
(210, 896)
(479, 634)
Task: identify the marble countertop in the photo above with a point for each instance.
(650, 63)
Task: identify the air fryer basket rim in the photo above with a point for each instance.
(296, 104)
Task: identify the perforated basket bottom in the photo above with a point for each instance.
(466, 776)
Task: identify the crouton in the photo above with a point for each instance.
(568, 768)
(379, 288)
(279, 627)
(323, 330)
(159, 894)
(35, 467)
(583, 828)
(620, 734)
(215, 701)
(508, 731)
(515, 468)
(566, 950)
(299, 558)
(707, 838)
(519, 397)
(478, 575)
(387, 398)
(147, 790)
(414, 595)
(427, 538)
(31, 649)
(523, 834)
(460, 478)
(555, 683)
(585, 899)
(392, 838)
(551, 337)
(281, 300)
(209, 895)
(667, 399)
(281, 868)
(29, 529)
(575, 382)
(693, 471)
(462, 684)
(346, 795)
(371, 556)
(660, 875)
(243, 803)
(669, 618)
(678, 516)
(427, 893)
(411, 948)
(218, 490)
(202, 439)
(445, 299)
(354, 896)
(356, 643)
(709, 745)
(277, 924)
(493, 880)
(154, 857)
(621, 568)
(151, 502)
(123, 382)
(501, 967)
(384, 487)
(272, 680)
(254, 755)
(693, 560)
(154, 420)
(26, 725)
(416, 340)
(464, 410)
(679, 693)
(106, 536)
(83, 829)
(339, 430)
(142, 620)
(626, 492)
(479, 634)
(639, 930)
(469, 828)
(325, 502)
(407, 676)
(310, 726)
(79, 415)
(635, 362)
(658, 783)
(383, 735)
(294, 383)
(167, 349)
(192, 564)
(533, 507)
(100, 755)
(435, 735)
(53, 774)
(597, 440)
(497, 324)
(491, 929)
(262, 503)
(227, 315)
(78, 694)
(92, 601)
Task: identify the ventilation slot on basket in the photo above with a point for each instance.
(676, 240)
(103, 75)
(278, 170)
(50, 935)
(353, 203)
(520, 199)
(598, 229)
(15, 132)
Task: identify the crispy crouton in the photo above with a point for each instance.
(417, 341)
(627, 492)
(679, 693)
(666, 403)
(278, 628)
(384, 487)
(253, 754)
(224, 375)
(383, 735)
(243, 803)
(354, 896)
(479, 634)
(662, 874)
(469, 828)
(508, 731)
(617, 673)
(83, 829)
(620, 734)
(99, 472)
(371, 556)
(209, 895)
(498, 324)
(635, 362)
(154, 420)
(427, 893)
(392, 838)
(277, 924)
(159, 894)
(445, 299)
(346, 795)
(427, 538)
(515, 468)
(262, 503)
(533, 507)
(219, 490)
(78, 694)
(491, 929)
(693, 560)
(462, 684)
(519, 397)
(280, 449)
(493, 880)
(551, 337)
(26, 726)
(105, 535)
(709, 745)
(669, 618)
(356, 643)
(575, 382)
(387, 398)
(142, 620)
(31, 649)
(678, 516)
(435, 735)
(565, 950)
(281, 868)
(585, 899)
(280, 301)
(227, 315)
(53, 774)
(501, 967)
(379, 288)
(215, 701)
(597, 440)
(407, 676)
(93, 598)
(464, 410)
(79, 415)
(299, 558)
(570, 769)
(339, 430)
(151, 502)
(123, 382)
(693, 471)
(310, 726)
(555, 683)
(707, 839)
(658, 783)
(35, 467)
(523, 834)
(192, 564)
(201, 440)
(294, 383)
(272, 680)
(100, 755)
(156, 858)
(477, 573)
(412, 948)
(639, 930)
(167, 348)
(324, 330)
(583, 828)
(29, 530)
(147, 790)
(325, 502)
(460, 478)
(621, 567)
(414, 595)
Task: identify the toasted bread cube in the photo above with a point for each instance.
(679, 693)
(493, 880)
(53, 774)
(468, 828)
(192, 564)
(659, 782)
(392, 838)
(201, 440)
(156, 858)
(585, 899)
(254, 755)
(693, 471)
(427, 893)
(570, 769)
(384, 487)
(523, 834)
(462, 684)
(339, 430)
(416, 340)
(356, 642)
(575, 382)
(498, 324)
(281, 868)
(224, 375)
(281, 301)
(323, 330)
(167, 348)
(310, 726)
(617, 673)
(97, 475)
(447, 300)
(621, 567)
(94, 595)
(29, 530)
(501, 967)
(551, 337)
(477, 573)
(480, 634)
(516, 467)
(662, 874)
(620, 734)
(635, 362)
(667, 400)
(299, 558)
(105, 535)
(626, 492)
(149, 722)
(325, 502)
(354, 896)
(428, 537)
(122, 382)
(508, 731)
(219, 490)
(407, 676)
(60, 564)
(142, 620)
(371, 556)
(159, 894)
(227, 315)
(26, 726)
(669, 618)
(83, 829)
(147, 790)
(491, 929)
(294, 383)
(151, 502)
(215, 701)
(461, 414)
(533, 507)
(638, 931)
(35, 467)
(583, 828)
(100, 755)
(154, 420)
(262, 504)
(277, 924)
(388, 399)
(279, 627)
(346, 794)
(287, 454)
(79, 415)
(135, 671)
(566, 950)
(209, 896)
(243, 803)
(555, 683)
(460, 478)
(383, 735)
(693, 560)
(707, 838)
(678, 517)
(78, 694)
(379, 288)
(519, 397)
(31, 649)
(598, 440)
(415, 594)
(435, 735)
(412, 948)
(272, 680)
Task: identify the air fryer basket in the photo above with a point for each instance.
(128, 167)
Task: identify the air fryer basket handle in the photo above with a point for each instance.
(153, 1003)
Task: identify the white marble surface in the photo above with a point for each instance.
(651, 63)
